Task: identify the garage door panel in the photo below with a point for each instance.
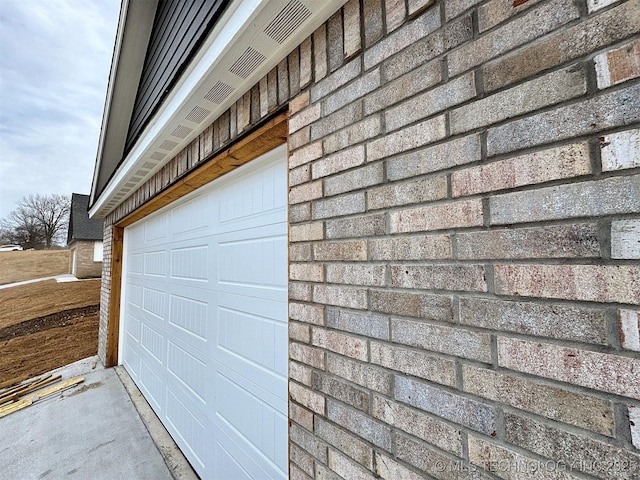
(155, 263)
(271, 390)
(245, 198)
(205, 320)
(227, 466)
(133, 295)
(135, 264)
(254, 221)
(254, 425)
(153, 342)
(254, 262)
(248, 338)
(190, 263)
(248, 351)
(190, 316)
(152, 384)
(154, 301)
(189, 431)
(192, 218)
(188, 369)
(155, 229)
(131, 357)
(133, 325)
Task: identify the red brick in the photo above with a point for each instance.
(300, 373)
(537, 167)
(341, 251)
(467, 213)
(320, 51)
(373, 27)
(310, 272)
(395, 13)
(301, 416)
(418, 423)
(594, 33)
(618, 65)
(340, 343)
(338, 162)
(340, 296)
(306, 62)
(306, 192)
(304, 117)
(306, 313)
(351, 11)
(299, 138)
(416, 363)
(307, 398)
(299, 102)
(586, 411)
(592, 283)
(299, 332)
(495, 12)
(523, 29)
(464, 277)
(305, 155)
(306, 232)
(598, 371)
(416, 6)
(313, 357)
(347, 468)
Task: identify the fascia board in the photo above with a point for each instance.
(135, 23)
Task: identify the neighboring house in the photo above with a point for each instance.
(84, 239)
(377, 238)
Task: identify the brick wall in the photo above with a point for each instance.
(464, 236)
(85, 266)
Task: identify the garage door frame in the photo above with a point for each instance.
(268, 136)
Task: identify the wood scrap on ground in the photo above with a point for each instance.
(14, 398)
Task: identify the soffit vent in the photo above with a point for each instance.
(287, 21)
(220, 73)
(247, 63)
(158, 156)
(181, 131)
(219, 92)
(197, 115)
(168, 145)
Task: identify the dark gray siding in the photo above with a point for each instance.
(179, 28)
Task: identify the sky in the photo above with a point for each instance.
(55, 57)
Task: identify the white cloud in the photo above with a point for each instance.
(55, 57)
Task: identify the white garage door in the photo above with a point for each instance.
(204, 320)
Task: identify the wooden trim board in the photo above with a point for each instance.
(113, 325)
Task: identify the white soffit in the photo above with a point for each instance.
(250, 39)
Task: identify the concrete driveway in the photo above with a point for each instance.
(91, 431)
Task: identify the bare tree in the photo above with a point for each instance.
(39, 219)
(23, 229)
(6, 234)
(51, 212)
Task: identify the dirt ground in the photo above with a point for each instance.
(19, 266)
(46, 325)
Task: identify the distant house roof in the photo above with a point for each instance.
(81, 227)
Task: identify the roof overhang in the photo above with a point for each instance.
(250, 38)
